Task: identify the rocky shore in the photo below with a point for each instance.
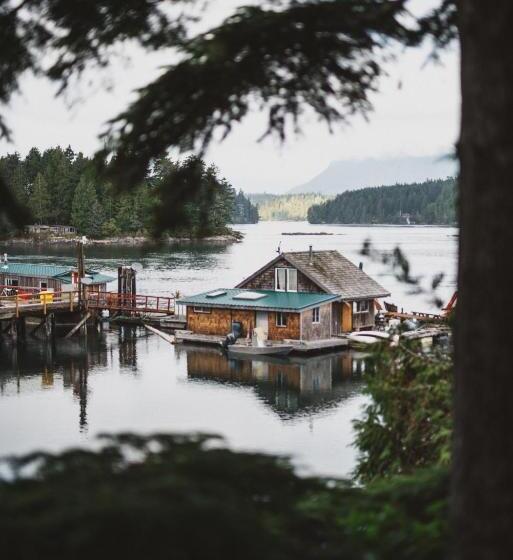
(231, 237)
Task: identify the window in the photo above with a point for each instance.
(281, 279)
(361, 306)
(43, 285)
(285, 280)
(316, 315)
(281, 319)
(12, 282)
(201, 309)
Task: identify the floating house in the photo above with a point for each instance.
(305, 296)
(45, 277)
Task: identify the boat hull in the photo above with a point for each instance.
(259, 350)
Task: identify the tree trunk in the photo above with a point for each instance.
(483, 446)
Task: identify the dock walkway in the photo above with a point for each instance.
(299, 347)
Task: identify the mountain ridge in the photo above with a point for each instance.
(344, 175)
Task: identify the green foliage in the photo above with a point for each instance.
(244, 211)
(83, 206)
(63, 187)
(322, 54)
(39, 201)
(188, 497)
(287, 206)
(431, 202)
(408, 423)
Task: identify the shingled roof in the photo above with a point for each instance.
(336, 274)
(332, 272)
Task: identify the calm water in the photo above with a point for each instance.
(125, 379)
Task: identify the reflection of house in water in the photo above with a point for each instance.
(289, 386)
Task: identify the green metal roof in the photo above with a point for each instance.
(62, 273)
(35, 270)
(270, 300)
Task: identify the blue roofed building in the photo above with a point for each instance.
(303, 296)
(48, 277)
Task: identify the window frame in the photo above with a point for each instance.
(201, 309)
(286, 283)
(357, 305)
(283, 323)
(316, 316)
(10, 279)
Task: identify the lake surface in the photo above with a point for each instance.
(120, 379)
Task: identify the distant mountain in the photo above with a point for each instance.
(345, 175)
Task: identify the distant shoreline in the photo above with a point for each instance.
(132, 241)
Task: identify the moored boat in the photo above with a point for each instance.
(274, 350)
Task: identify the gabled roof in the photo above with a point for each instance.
(332, 273)
(270, 300)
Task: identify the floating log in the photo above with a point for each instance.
(165, 336)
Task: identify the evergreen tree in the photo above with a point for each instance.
(39, 202)
(85, 203)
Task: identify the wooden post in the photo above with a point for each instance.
(81, 270)
(80, 324)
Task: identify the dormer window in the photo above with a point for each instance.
(285, 279)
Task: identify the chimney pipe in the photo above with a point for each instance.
(311, 254)
(360, 266)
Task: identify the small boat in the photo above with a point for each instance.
(359, 340)
(276, 350)
(374, 334)
(366, 338)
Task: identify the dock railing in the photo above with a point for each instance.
(29, 299)
(131, 303)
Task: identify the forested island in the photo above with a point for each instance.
(61, 186)
(430, 202)
(285, 206)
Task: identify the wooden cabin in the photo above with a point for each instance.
(42, 229)
(311, 295)
(46, 277)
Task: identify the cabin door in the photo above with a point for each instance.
(347, 317)
(336, 316)
(262, 322)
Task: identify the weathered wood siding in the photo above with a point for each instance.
(219, 321)
(30, 281)
(292, 330)
(316, 331)
(266, 279)
(364, 320)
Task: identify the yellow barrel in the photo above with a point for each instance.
(46, 297)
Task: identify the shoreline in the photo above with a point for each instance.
(234, 237)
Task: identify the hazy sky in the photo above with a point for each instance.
(416, 113)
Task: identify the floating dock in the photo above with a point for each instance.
(298, 346)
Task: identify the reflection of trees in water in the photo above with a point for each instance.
(48, 360)
(291, 386)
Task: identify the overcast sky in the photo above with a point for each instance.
(416, 113)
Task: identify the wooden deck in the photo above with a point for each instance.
(23, 305)
(299, 347)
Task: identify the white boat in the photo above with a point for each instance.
(359, 340)
(367, 338)
(382, 335)
(275, 350)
